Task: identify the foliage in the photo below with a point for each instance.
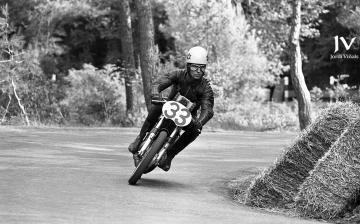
(349, 15)
(25, 91)
(19, 11)
(334, 94)
(270, 20)
(247, 47)
(237, 77)
(321, 21)
(211, 24)
(94, 97)
(39, 94)
(316, 94)
(73, 32)
(10, 56)
(254, 116)
(235, 64)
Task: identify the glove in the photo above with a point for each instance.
(156, 96)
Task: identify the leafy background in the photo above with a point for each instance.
(79, 43)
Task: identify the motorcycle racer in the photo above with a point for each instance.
(190, 83)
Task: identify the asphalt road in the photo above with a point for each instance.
(79, 175)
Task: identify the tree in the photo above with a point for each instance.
(147, 48)
(208, 23)
(10, 59)
(236, 67)
(128, 52)
(342, 20)
(297, 77)
(272, 22)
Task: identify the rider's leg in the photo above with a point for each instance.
(190, 134)
(149, 122)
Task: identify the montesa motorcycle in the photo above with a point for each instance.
(175, 116)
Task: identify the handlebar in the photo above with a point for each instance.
(158, 101)
(178, 98)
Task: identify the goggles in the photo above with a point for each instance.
(194, 67)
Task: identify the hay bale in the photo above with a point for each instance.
(333, 186)
(278, 185)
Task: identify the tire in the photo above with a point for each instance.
(148, 157)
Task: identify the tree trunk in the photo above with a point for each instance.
(127, 53)
(19, 102)
(7, 109)
(147, 48)
(301, 91)
(135, 34)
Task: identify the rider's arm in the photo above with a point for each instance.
(167, 80)
(207, 104)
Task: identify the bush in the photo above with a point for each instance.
(238, 77)
(316, 94)
(38, 94)
(94, 98)
(252, 115)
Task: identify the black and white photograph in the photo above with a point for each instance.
(167, 111)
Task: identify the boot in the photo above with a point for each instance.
(165, 163)
(134, 146)
(184, 140)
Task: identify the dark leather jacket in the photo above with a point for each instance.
(197, 91)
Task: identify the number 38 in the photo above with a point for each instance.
(177, 112)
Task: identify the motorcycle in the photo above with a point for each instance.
(176, 114)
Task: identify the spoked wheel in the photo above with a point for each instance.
(148, 157)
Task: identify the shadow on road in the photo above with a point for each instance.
(150, 183)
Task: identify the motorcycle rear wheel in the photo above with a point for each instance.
(148, 157)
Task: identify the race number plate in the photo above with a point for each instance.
(177, 113)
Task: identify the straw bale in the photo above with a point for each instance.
(278, 185)
(333, 186)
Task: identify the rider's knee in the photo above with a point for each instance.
(154, 113)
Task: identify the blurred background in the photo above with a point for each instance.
(88, 62)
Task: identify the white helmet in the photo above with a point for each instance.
(197, 55)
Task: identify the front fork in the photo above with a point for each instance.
(151, 136)
(170, 140)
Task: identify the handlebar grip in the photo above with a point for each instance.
(158, 102)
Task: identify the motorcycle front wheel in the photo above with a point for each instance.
(148, 157)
